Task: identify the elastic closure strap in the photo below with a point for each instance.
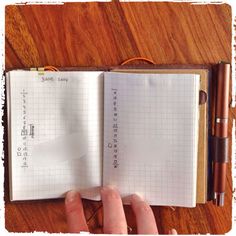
(138, 59)
(220, 149)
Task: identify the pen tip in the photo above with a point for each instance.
(219, 199)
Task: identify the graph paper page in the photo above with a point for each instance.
(150, 136)
(55, 132)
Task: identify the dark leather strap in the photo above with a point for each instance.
(220, 149)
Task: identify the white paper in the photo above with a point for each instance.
(56, 133)
(151, 136)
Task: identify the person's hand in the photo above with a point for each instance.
(114, 221)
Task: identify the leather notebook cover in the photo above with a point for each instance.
(204, 72)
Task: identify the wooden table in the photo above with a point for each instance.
(101, 34)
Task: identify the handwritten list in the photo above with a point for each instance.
(55, 132)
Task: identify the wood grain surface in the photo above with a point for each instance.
(104, 34)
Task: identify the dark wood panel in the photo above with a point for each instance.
(103, 34)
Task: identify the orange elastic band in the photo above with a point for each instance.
(50, 68)
(136, 59)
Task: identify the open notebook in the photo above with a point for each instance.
(82, 130)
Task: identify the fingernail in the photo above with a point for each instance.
(110, 192)
(106, 188)
(71, 196)
(172, 231)
(137, 197)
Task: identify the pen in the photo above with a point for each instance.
(221, 133)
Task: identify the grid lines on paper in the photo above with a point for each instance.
(59, 111)
(157, 116)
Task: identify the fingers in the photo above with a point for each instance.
(145, 219)
(114, 221)
(75, 213)
(172, 231)
(114, 218)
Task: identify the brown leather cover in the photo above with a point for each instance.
(130, 66)
(205, 74)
